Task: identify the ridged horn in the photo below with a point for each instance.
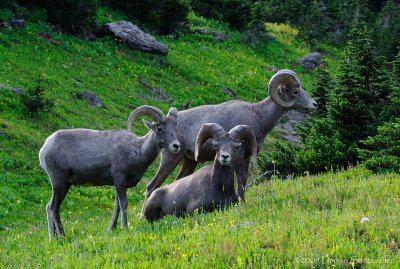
(151, 111)
(173, 114)
(207, 131)
(245, 133)
(282, 79)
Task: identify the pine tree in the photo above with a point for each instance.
(323, 86)
(356, 101)
(392, 108)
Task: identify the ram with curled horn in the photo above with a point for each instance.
(116, 158)
(213, 186)
(285, 93)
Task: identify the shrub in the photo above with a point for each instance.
(280, 158)
(74, 16)
(34, 100)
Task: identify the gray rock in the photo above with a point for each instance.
(133, 36)
(14, 90)
(91, 98)
(228, 91)
(12, 24)
(311, 61)
(218, 36)
(273, 69)
(154, 93)
(289, 122)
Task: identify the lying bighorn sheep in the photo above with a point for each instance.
(210, 187)
(117, 158)
(285, 93)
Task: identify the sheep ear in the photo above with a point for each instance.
(148, 124)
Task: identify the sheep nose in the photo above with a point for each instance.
(176, 146)
(225, 156)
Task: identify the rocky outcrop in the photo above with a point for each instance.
(289, 123)
(133, 37)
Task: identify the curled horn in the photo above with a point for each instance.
(173, 114)
(207, 131)
(151, 111)
(281, 80)
(245, 133)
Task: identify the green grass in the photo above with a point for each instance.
(309, 221)
(284, 223)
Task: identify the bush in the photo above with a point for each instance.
(280, 158)
(33, 99)
(74, 16)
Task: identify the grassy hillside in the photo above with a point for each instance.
(282, 222)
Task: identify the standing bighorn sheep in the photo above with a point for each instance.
(116, 158)
(285, 93)
(210, 187)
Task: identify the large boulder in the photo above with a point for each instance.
(133, 36)
(311, 61)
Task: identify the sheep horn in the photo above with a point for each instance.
(245, 133)
(207, 131)
(151, 111)
(281, 79)
(173, 114)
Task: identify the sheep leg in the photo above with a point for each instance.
(168, 163)
(187, 168)
(120, 187)
(241, 169)
(53, 209)
(115, 215)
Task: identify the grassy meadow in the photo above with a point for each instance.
(311, 221)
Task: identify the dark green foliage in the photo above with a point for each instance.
(323, 86)
(74, 16)
(382, 151)
(237, 13)
(34, 100)
(164, 16)
(352, 108)
(281, 158)
(323, 148)
(10, 4)
(208, 8)
(357, 100)
(387, 33)
(392, 108)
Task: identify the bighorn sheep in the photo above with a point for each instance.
(285, 93)
(210, 187)
(116, 158)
